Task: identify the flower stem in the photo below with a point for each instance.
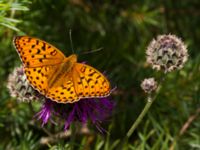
(150, 101)
(137, 122)
(73, 136)
(141, 116)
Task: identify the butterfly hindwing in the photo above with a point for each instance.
(36, 53)
(89, 82)
(64, 91)
(39, 77)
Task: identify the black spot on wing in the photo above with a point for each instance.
(38, 51)
(43, 47)
(29, 39)
(89, 80)
(83, 69)
(91, 74)
(98, 76)
(53, 53)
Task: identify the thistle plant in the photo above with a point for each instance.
(95, 110)
(166, 53)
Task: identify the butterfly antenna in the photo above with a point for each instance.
(71, 43)
(92, 51)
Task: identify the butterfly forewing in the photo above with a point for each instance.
(36, 53)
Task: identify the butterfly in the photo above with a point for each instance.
(59, 78)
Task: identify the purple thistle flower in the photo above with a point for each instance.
(96, 110)
(45, 112)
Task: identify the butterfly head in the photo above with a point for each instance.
(73, 58)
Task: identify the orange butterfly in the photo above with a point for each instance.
(60, 78)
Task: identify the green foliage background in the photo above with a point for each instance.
(124, 30)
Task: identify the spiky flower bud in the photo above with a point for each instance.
(149, 85)
(19, 87)
(167, 53)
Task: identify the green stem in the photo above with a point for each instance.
(141, 116)
(137, 122)
(150, 101)
(73, 136)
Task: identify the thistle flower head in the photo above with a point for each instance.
(167, 53)
(19, 87)
(149, 85)
(95, 110)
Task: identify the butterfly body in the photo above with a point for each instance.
(60, 78)
(63, 69)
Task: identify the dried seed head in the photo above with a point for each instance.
(167, 53)
(19, 87)
(149, 85)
